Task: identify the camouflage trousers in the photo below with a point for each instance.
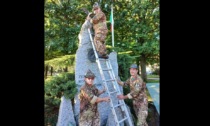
(99, 42)
(94, 122)
(141, 113)
(89, 119)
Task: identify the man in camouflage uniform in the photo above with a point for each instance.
(89, 97)
(138, 94)
(100, 30)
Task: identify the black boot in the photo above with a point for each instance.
(103, 56)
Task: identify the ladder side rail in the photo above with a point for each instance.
(98, 62)
(111, 102)
(103, 78)
(96, 55)
(111, 73)
(104, 83)
(115, 83)
(91, 39)
(113, 76)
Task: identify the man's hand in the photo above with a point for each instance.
(121, 97)
(106, 99)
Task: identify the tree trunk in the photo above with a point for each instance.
(51, 71)
(72, 102)
(46, 71)
(143, 67)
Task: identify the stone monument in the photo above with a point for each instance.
(83, 63)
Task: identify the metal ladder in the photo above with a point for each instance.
(114, 83)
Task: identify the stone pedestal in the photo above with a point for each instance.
(66, 115)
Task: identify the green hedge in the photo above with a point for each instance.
(56, 87)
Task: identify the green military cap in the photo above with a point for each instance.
(134, 66)
(95, 6)
(89, 73)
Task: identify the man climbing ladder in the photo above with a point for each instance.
(100, 30)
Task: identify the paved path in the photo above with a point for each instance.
(154, 92)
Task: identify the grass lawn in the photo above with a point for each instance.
(147, 92)
(152, 81)
(152, 76)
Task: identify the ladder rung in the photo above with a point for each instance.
(106, 69)
(118, 105)
(113, 92)
(110, 80)
(123, 120)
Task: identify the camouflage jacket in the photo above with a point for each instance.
(99, 23)
(88, 106)
(137, 90)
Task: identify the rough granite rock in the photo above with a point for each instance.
(66, 115)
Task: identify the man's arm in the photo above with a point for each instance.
(96, 18)
(106, 99)
(138, 86)
(121, 97)
(96, 99)
(123, 83)
(120, 82)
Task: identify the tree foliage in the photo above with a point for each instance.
(125, 60)
(136, 26)
(139, 30)
(63, 21)
(56, 87)
(61, 62)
